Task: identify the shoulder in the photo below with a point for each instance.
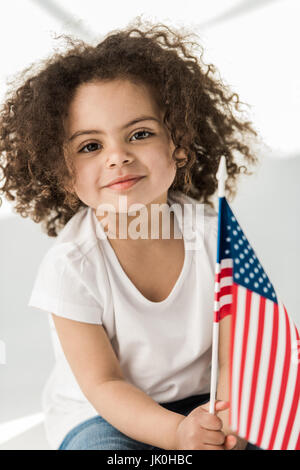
(78, 232)
(70, 273)
(76, 244)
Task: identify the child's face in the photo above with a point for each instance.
(143, 148)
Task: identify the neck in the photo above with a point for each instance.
(140, 228)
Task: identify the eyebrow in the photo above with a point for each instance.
(98, 131)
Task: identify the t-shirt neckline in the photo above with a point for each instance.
(127, 281)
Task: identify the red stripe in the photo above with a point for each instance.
(257, 359)
(298, 443)
(284, 380)
(226, 290)
(226, 272)
(244, 349)
(233, 323)
(294, 407)
(224, 311)
(270, 374)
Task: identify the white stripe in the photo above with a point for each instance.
(225, 299)
(249, 362)
(218, 268)
(276, 384)
(226, 281)
(226, 263)
(216, 306)
(237, 351)
(289, 393)
(295, 432)
(263, 371)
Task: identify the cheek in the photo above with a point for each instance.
(162, 158)
(169, 166)
(85, 176)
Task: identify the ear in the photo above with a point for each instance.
(182, 154)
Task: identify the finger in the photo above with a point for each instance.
(208, 421)
(230, 442)
(220, 405)
(215, 438)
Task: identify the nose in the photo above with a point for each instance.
(118, 157)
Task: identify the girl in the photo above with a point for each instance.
(132, 314)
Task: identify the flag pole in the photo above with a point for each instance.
(221, 177)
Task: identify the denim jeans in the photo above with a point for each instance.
(97, 434)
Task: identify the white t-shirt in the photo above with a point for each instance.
(164, 348)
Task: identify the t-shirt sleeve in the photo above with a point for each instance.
(65, 285)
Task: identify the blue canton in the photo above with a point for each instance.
(247, 270)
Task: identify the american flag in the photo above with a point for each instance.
(264, 355)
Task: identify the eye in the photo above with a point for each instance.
(88, 146)
(142, 132)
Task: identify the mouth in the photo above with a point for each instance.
(125, 184)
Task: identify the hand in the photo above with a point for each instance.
(201, 430)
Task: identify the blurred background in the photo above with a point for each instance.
(254, 45)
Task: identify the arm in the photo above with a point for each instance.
(223, 378)
(98, 373)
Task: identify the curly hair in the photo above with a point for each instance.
(202, 115)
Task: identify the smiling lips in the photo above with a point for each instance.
(125, 184)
